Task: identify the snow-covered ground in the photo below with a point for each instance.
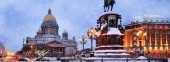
(97, 59)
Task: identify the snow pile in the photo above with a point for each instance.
(111, 51)
(141, 57)
(112, 46)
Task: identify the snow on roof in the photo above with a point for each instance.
(107, 13)
(141, 57)
(113, 31)
(111, 51)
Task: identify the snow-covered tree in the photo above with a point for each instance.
(41, 53)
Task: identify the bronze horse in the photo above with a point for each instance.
(108, 4)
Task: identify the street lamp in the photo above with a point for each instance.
(32, 50)
(92, 34)
(82, 40)
(10, 53)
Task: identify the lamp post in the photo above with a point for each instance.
(92, 35)
(82, 40)
(32, 50)
(31, 47)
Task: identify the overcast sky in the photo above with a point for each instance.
(22, 18)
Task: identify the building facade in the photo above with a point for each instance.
(2, 49)
(152, 35)
(48, 38)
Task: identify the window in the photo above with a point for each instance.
(162, 33)
(153, 42)
(168, 32)
(158, 33)
(152, 32)
(57, 49)
(60, 49)
(166, 26)
(163, 41)
(168, 39)
(158, 41)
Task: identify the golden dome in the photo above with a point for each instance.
(49, 16)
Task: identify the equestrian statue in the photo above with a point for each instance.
(108, 4)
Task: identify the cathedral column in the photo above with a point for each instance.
(64, 52)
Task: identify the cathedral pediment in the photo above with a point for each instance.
(55, 44)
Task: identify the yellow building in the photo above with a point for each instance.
(152, 36)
